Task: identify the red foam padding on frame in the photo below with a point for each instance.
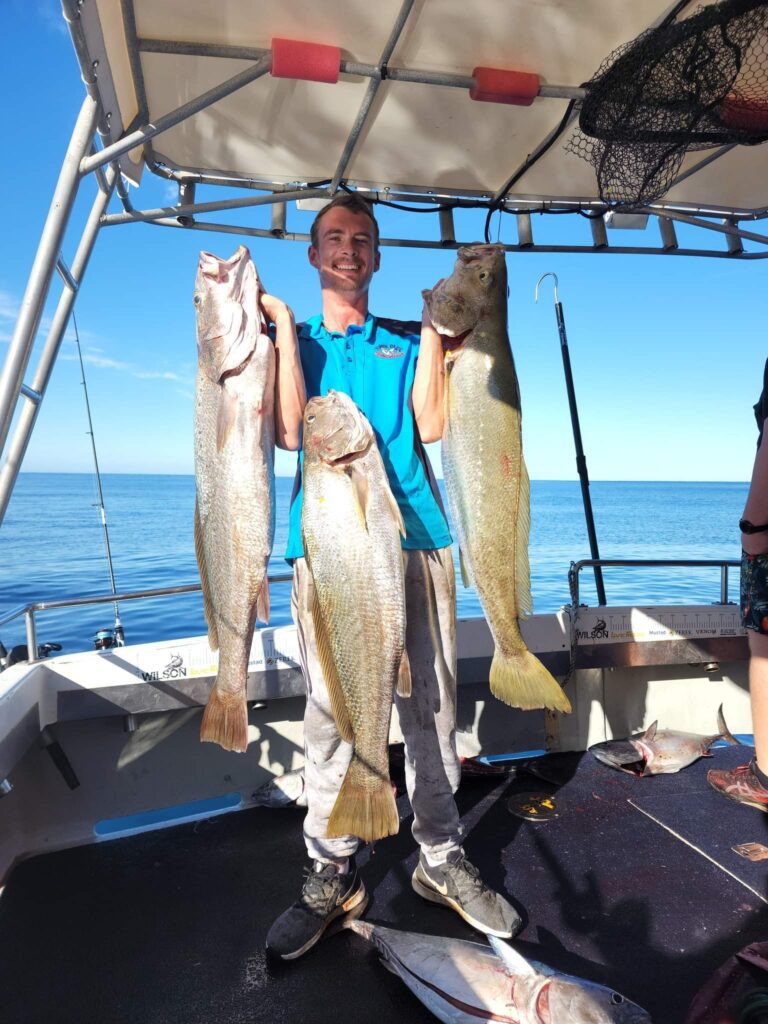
(311, 62)
(494, 85)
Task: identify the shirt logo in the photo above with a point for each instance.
(388, 351)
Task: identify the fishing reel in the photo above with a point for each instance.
(21, 653)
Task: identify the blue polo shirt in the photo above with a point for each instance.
(374, 364)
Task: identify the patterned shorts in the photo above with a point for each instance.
(754, 592)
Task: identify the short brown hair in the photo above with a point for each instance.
(353, 203)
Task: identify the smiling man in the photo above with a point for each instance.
(393, 371)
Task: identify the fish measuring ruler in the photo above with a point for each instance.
(612, 625)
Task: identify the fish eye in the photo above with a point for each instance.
(197, 300)
(311, 418)
(483, 275)
(616, 998)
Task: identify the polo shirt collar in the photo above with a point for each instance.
(365, 331)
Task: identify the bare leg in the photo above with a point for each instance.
(758, 692)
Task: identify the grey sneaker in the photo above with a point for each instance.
(325, 897)
(458, 884)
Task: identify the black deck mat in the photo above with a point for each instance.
(169, 926)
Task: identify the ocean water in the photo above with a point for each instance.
(52, 547)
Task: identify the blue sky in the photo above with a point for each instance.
(667, 353)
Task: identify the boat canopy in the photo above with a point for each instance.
(425, 99)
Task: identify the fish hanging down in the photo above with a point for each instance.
(234, 474)
(660, 751)
(351, 528)
(463, 982)
(485, 474)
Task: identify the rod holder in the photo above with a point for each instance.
(524, 230)
(278, 219)
(186, 198)
(447, 229)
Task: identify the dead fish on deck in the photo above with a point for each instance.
(462, 982)
(485, 474)
(351, 526)
(286, 790)
(234, 456)
(660, 751)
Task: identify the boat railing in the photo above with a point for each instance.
(28, 611)
(691, 563)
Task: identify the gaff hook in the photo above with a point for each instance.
(549, 273)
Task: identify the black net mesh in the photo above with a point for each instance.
(694, 84)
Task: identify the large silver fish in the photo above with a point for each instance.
(660, 751)
(351, 526)
(234, 473)
(485, 474)
(465, 982)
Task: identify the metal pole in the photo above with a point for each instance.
(20, 439)
(373, 88)
(581, 460)
(187, 110)
(29, 619)
(44, 266)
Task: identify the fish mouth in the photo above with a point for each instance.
(626, 757)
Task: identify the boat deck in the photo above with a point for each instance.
(634, 884)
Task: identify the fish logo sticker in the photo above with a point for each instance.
(388, 351)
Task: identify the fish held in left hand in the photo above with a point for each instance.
(485, 474)
(234, 476)
(464, 982)
(660, 751)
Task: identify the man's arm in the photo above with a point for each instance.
(429, 383)
(290, 393)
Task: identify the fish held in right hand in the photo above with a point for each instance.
(234, 477)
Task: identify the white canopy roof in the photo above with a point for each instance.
(417, 136)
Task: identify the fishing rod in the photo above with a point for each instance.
(581, 459)
(102, 638)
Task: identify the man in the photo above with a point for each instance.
(394, 372)
(748, 784)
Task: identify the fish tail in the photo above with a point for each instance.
(725, 732)
(225, 721)
(365, 806)
(521, 681)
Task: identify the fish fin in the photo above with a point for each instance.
(404, 686)
(225, 721)
(330, 674)
(262, 601)
(388, 964)
(397, 515)
(725, 732)
(365, 806)
(523, 682)
(514, 962)
(650, 732)
(522, 530)
(361, 492)
(225, 419)
(466, 575)
(213, 635)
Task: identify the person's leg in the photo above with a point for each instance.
(748, 783)
(432, 770)
(332, 887)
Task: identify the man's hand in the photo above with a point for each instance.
(276, 310)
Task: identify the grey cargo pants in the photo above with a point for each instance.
(427, 717)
